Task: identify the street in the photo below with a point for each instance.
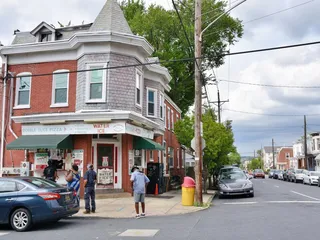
(279, 210)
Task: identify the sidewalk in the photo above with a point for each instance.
(162, 205)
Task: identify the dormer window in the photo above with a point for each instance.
(44, 32)
(45, 37)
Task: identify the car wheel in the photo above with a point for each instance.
(251, 195)
(295, 180)
(21, 220)
(220, 196)
(310, 182)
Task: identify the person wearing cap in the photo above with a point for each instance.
(139, 183)
(90, 179)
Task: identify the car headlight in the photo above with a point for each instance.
(248, 185)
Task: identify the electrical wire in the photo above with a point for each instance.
(179, 60)
(268, 85)
(272, 115)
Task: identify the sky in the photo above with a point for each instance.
(272, 26)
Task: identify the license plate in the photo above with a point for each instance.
(67, 198)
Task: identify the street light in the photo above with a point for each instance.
(210, 24)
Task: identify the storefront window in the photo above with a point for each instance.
(105, 156)
(138, 158)
(171, 157)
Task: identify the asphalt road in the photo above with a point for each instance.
(279, 210)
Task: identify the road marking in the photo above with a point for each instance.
(3, 233)
(293, 202)
(240, 203)
(276, 186)
(139, 233)
(306, 196)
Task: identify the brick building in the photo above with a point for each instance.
(87, 94)
(283, 158)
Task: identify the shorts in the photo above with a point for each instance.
(139, 197)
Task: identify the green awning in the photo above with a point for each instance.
(140, 143)
(45, 141)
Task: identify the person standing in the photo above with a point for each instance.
(139, 184)
(50, 172)
(73, 179)
(90, 179)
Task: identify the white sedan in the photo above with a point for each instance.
(311, 178)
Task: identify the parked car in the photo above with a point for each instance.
(227, 169)
(271, 172)
(25, 201)
(311, 178)
(258, 173)
(276, 174)
(289, 175)
(235, 183)
(280, 175)
(298, 175)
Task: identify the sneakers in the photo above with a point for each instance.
(86, 212)
(143, 215)
(137, 216)
(93, 211)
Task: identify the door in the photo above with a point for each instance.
(105, 164)
(8, 194)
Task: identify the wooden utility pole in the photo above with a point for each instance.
(198, 102)
(219, 103)
(305, 143)
(274, 163)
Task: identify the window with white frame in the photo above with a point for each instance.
(161, 103)
(172, 120)
(169, 118)
(287, 155)
(171, 157)
(139, 158)
(23, 88)
(60, 86)
(178, 157)
(96, 91)
(165, 116)
(138, 87)
(151, 102)
(151, 156)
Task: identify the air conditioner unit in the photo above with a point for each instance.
(25, 169)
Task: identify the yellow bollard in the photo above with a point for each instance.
(187, 196)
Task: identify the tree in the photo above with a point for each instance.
(255, 163)
(162, 28)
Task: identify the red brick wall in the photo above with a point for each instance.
(41, 87)
(282, 156)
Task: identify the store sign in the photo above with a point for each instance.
(105, 176)
(139, 131)
(81, 128)
(78, 158)
(84, 128)
(41, 160)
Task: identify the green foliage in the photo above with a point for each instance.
(163, 30)
(255, 163)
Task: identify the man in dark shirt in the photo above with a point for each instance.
(90, 179)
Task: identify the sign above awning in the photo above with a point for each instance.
(41, 141)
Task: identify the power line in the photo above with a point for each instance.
(268, 85)
(280, 11)
(271, 115)
(180, 60)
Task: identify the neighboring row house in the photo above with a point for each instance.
(73, 97)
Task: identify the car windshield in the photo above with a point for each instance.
(299, 171)
(233, 175)
(41, 183)
(259, 171)
(315, 174)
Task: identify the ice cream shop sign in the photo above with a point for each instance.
(84, 128)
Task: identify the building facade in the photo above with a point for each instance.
(88, 94)
(283, 159)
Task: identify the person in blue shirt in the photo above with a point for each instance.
(90, 180)
(73, 179)
(139, 183)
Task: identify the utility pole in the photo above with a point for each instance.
(274, 163)
(305, 143)
(198, 102)
(219, 103)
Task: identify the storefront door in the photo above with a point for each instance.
(105, 164)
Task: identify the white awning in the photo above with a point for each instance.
(318, 157)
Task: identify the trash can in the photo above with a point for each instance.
(188, 188)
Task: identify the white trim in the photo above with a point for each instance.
(138, 72)
(53, 96)
(172, 120)
(165, 115)
(168, 110)
(178, 157)
(155, 102)
(104, 83)
(17, 106)
(151, 159)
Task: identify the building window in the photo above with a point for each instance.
(151, 156)
(23, 86)
(287, 155)
(151, 102)
(45, 37)
(60, 86)
(96, 84)
(171, 157)
(161, 110)
(172, 120)
(139, 158)
(138, 87)
(178, 157)
(165, 115)
(169, 118)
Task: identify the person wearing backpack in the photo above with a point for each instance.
(90, 179)
(73, 179)
(50, 172)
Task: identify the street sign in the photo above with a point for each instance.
(193, 143)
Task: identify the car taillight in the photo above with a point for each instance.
(50, 196)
